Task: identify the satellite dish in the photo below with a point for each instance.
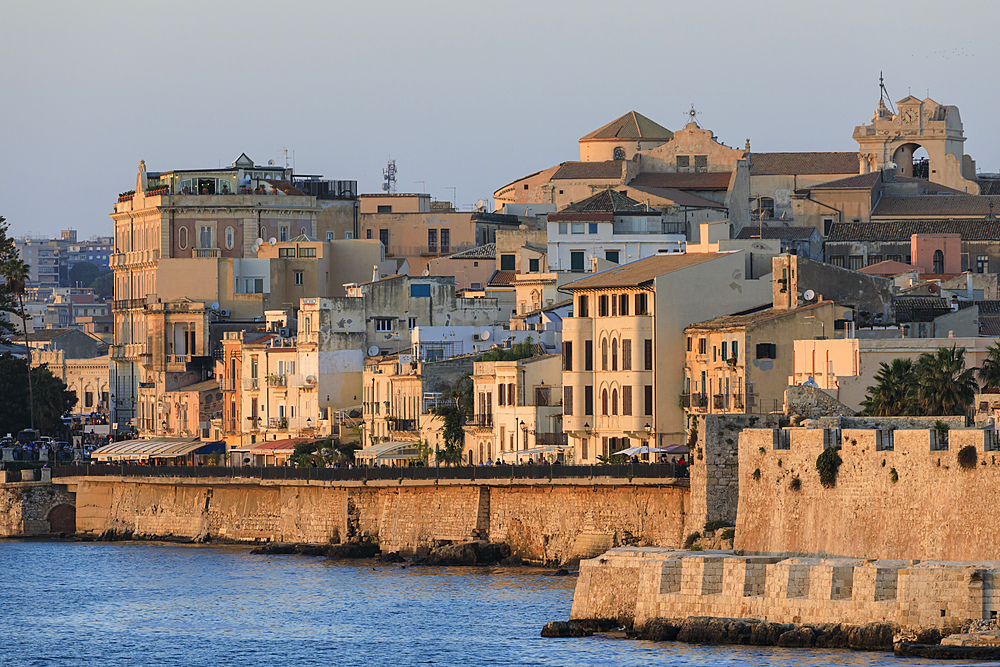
(373, 351)
(215, 305)
(310, 379)
(272, 240)
(485, 335)
(258, 241)
(809, 295)
(932, 288)
(270, 163)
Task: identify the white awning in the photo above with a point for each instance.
(546, 449)
(160, 448)
(389, 450)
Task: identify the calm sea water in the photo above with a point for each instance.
(68, 603)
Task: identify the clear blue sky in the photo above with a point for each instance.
(463, 94)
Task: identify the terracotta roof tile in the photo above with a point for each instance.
(902, 230)
(919, 308)
(859, 182)
(765, 164)
(586, 170)
(756, 232)
(640, 271)
(708, 180)
(632, 125)
(488, 251)
(760, 313)
(502, 278)
(680, 197)
(989, 186)
(608, 201)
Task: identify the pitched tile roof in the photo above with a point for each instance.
(608, 201)
(888, 267)
(938, 205)
(632, 125)
(859, 182)
(488, 251)
(764, 164)
(989, 186)
(640, 271)
(502, 278)
(585, 170)
(902, 230)
(919, 308)
(39, 335)
(706, 180)
(762, 313)
(988, 307)
(757, 232)
(680, 197)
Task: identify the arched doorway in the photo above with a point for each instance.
(911, 160)
(62, 519)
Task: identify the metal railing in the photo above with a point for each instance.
(628, 471)
(480, 421)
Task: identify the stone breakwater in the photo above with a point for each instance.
(544, 522)
(646, 588)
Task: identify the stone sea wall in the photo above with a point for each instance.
(898, 494)
(546, 522)
(35, 508)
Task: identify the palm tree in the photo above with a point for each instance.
(989, 373)
(893, 393)
(15, 274)
(944, 385)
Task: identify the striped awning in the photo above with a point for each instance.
(389, 451)
(157, 448)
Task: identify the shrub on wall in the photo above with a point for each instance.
(893, 476)
(729, 534)
(691, 539)
(827, 464)
(795, 484)
(756, 475)
(967, 457)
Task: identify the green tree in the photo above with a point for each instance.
(893, 392)
(463, 394)
(8, 300)
(944, 385)
(53, 399)
(104, 284)
(15, 275)
(453, 434)
(522, 350)
(989, 373)
(83, 274)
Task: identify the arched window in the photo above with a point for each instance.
(619, 153)
(182, 238)
(614, 401)
(604, 354)
(614, 354)
(230, 238)
(604, 402)
(938, 262)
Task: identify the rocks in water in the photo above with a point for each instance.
(275, 548)
(478, 552)
(598, 624)
(391, 557)
(565, 629)
(345, 550)
(800, 637)
(947, 652)
(352, 550)
(561, 572)
(658, 630)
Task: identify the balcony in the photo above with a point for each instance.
(404, 425)
(719, 402)
(302, 381)
(250, 384)
(478, 421)
(551, 439)
(128, 304)
(230, 384)
(694, 401)
(278, 381)
(207, 253)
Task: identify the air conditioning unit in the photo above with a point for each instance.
(475, 336)
(224, 313)
(284, 332)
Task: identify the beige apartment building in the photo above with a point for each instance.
(623, 363)
(518, 412)
(181, 238)
(740, 363)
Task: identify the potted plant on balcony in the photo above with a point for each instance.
(283, 423)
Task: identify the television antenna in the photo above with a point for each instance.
(389, 176)
(883, 93)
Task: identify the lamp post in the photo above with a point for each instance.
(517, 436)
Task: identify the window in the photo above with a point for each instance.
(591, 227)
(874, 259)
(648, 349)
(648, 398)
(623, 304)
(837, 260)
(383, 323)
(588, 355)
(894, 258)
(683, 161)
(614, 402)
(582, 303)
(827, 226)
(604, 354)
(626, 354)
(689, 343)
(614, 305)
(500, 397)
(420, 290)
(602, 305)
(938, 262)
(982, 264)
(855, 262)
(568, 401)
(611, 255)
(640, 304)
(348, 235)
(627, 400)
(385, 209)
(331, 236)
(230, 238)
(567, 355)
(577, 228)
(703, 346)
(508, 262)
(725, 345)
(510, 394)
(413, 323)
(432, 239)
(588, 400)
(562, 228)
(205, 236)
(715, 353)
(614, 354)
(543, 396)
(383, 237)
(619, 153)
(253, 285)
(445, 240)
(533, 266)
(286, 252)
(767, 351)
(88, 401)
(307, 252)
(701, 162)
(576, 261)
(283, 233)
(604, 402)
(368, 234)
(298, 278)
(736, 356)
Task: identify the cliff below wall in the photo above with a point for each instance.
(898, 494)
(542, 522)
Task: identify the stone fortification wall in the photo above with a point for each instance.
(898, 494)
(33, 508)
(638, 585)
(812, 402)
(543, 522)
